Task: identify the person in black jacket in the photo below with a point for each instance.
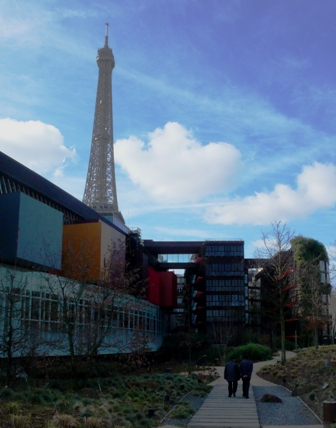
(246, 368)
(232, 375)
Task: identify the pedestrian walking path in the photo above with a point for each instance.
(221, 411)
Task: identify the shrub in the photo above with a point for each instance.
(255, 351)
(182, 411)
(289, 344)
(36, 398)
(87, 413)
(177, 346)
(51, 424)
(12, 407)
(86, 401)
(47, 396)
(202, 391)
(7, 394)
(64, 404)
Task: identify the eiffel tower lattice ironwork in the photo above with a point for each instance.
(100, 189)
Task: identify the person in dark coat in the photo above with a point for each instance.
(232, 375)
(246, 369)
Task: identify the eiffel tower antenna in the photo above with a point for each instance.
(100, 189)
(106, 34)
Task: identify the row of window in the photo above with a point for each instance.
(225, 315)
(225, 285)
(224, 269)
(233, 288)
(225, 300)
(46, 311)
(224, 250)
(221, 298)
(224, 312)
(216, 304)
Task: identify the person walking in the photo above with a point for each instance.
(246, 369)
(232, 375)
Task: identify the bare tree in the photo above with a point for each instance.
(89, 317)
(277, 262)
(332, 306)
(332, 311)
(19, 340)
(223, 332)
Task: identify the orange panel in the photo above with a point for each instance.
(81, 251)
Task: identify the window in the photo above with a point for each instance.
(224, 250)
(35, 306)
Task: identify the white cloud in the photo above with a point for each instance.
(200, 234)
(73, 185)
(37, 145)
(174, 167)
(258, 244)
(316, 189)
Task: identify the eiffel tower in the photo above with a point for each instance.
(100, 189)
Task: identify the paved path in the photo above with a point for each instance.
(220, 411)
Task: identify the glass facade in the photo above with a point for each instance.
(224, 269)
(224, 284)
(224, 250)
(230, 285)
(51, 314)
(177, 258)
(225, 316)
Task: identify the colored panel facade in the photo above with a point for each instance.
(153, 286)
(168, 289)
(88, 249)
(31, 232)
(162, 288)
(81, 251)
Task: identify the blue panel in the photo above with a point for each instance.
(40, 233)
(9, 226)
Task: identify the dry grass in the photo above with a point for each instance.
(93, 422)
(122, 400)
(20, 421)
(64, 421)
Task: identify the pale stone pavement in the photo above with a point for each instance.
(220, 411)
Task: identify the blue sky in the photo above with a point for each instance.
(224, 111)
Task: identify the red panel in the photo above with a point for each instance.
(198, 295)
(154, 286)
(168, 289)
(290, 287)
